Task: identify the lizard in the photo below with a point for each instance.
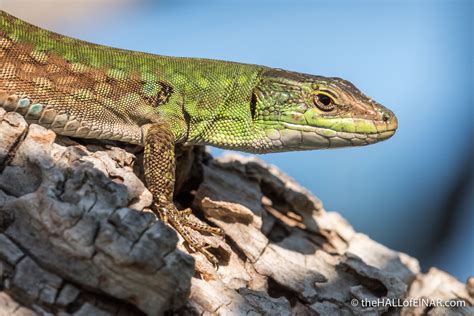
(86, 90)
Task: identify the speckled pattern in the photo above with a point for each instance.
(111, 92)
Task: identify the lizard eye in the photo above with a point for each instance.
(324, 102)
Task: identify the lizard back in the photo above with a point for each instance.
(81, 89)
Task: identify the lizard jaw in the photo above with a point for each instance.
(304, 137)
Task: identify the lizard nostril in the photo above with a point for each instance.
(385, 117)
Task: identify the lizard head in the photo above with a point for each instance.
(299, 111)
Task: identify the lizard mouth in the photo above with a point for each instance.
(304, 137)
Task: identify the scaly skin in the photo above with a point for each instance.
(91, 91)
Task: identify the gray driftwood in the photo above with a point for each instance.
(77, 237)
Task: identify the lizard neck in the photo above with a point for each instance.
(217, 103)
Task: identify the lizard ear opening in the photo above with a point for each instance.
(253, 105)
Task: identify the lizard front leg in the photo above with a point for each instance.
(159, 168)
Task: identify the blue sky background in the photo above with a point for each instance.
(414, 192)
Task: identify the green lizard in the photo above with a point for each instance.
(86, 90)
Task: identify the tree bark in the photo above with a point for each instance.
(77, 237)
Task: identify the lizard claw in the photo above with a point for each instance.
(182, 222)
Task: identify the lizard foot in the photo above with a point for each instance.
(182, 223)
(198, 226)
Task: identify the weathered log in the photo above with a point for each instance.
(77, 237)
